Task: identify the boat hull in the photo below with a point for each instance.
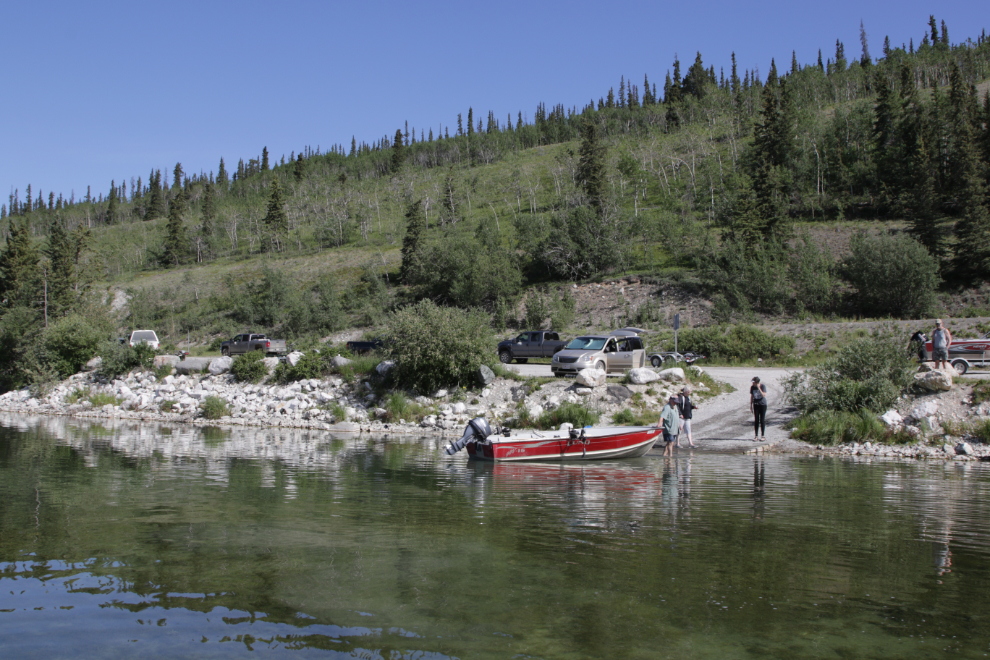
(597, 444)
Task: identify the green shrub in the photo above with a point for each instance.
(213, 407)
(741, 342)
(981, 392)
(320, 365)
(162, 371)
(869, 373)
(436, 346)
(573, 413)
(893, 274)
(627, 417)
(249, 368)
(167, 405)
(119, 359)
(398, 406)
(832, 427)
(69, 344)
(100, 399)
(981, 430)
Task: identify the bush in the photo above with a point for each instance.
(572, 413)
(627, 417)
(893, 274)
(249, 368)
(69, 344)
(213, 407)
(831, 428)
(981, 392)
(743, 342)
(436, 346)
(868, 374)
(119, 359)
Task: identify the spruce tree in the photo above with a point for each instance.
(20, 273)
(276, 219)
(299, 168)
(264, 159)
(112, 204)
(591, 167)
(61, 270)
(920, 204)
(175, 247)
(156, 201)
(177, 175)
(411, 243)
(398, 150)
(223, 180)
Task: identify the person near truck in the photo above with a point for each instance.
(917, 345)
(758, 406)
(941, 340)
(669, 425)
(685, 407)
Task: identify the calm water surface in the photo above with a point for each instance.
(145, 541)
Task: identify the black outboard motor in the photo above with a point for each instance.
(477, 429)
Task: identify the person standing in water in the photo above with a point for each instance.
(669, 424)
(758, 406)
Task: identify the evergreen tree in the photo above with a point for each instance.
(61, 274)
(156, 201)
(19, 270)
(864, 59)
(591, 167)
(264, 159)
(112, 204)
(299, 169)
(412, 243)
(223, 180)
(276, 219)
(770, 155)
(177, 175)
(398, 150)
(934, 28)
(696, 78)
(973, 229)
(176, 246)
(734, 78)
(470, 122)
(840, 57)
(920, 204)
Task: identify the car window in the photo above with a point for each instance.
(523, 337)
(144, 335)
(552, 336)
(586, 344)
(537, 336)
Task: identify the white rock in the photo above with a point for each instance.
(965, 449)
(459, 408)
(892, 418)
(439, 394)
(349, 412)
(294, 357)
(535, 411)
(270, 364)
(934, 381)
(591, 377)
(94, 364)
(339, 361)
(642, 376)
(924, 409)
(485, 392)
(674, 374)
(220, 365)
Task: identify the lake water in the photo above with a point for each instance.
(148, 541)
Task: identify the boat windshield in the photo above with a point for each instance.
(586, 344)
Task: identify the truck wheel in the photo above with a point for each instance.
(225, 351)
(505, 357)
(656, 361)
(670, 361)
(522, 360)
(601, 365)
(961, 367)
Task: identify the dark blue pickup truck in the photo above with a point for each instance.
(529, 344)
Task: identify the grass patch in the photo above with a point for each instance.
(627, 417)
(213, 407)
(572, 413)
(398, 406)
(162, 371)
(835, 427)
(981, 392)
(249, 368)
(100, 399)
(75, 396)
(167, 405)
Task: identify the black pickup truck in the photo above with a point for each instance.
(529, 344)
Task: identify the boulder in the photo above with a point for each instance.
(384, 367)
(964, 449)
(459, 408)
(591, 377)
(925, 367)
(620, 392)
(221, 365)
(535, 411)
(294, 357)
(162, 360)
(948, 449)
(193, 365)
(439, 394)
(339, 361)
(94, 363)
(270, 364)
(566, 426)
(892, 418)
(674, 374)
(642, 376)
(485, 376)
(934, 381)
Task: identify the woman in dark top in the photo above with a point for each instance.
(684, 408)
(758, 405)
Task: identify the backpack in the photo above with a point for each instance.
(758, 397)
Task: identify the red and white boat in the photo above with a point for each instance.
(965, 353)
(589, 444)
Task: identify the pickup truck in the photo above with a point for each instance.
(362, 347)
(529, 344)
(610, 353)
(246, 343)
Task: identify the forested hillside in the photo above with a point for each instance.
(710, 175)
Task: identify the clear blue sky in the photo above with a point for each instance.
(95, 91)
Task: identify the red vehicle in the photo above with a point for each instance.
(588, 444)
(966, 353)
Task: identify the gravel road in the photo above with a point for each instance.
(725, 422)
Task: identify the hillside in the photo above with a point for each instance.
(739, 195)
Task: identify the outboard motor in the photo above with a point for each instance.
(477, 429)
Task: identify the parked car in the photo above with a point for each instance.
(361, 347)
(144, 337)
(241, 344)
(529, 344)
(609, 353)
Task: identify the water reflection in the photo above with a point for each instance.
(281, 540)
